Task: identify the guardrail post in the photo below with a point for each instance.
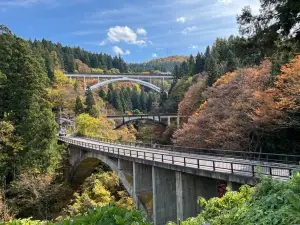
(231, 165)
(198, 164)
(184, 161)
(253, 170)
(214, 166)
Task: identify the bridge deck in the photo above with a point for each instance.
(136, 76)
(248, 168)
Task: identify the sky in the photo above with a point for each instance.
(139, 30)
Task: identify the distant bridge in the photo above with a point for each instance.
(136, 78)
(164, 119)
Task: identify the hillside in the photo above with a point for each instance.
(162, 64)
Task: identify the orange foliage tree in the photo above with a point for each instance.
(223, 120)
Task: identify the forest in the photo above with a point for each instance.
(242, 93)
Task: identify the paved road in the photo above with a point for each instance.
(203, 162)
(137, 76)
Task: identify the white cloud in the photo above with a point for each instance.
(189, 29)
(141, 31)
(225, 1)
(150, 42)
(119, 51)
(154, 55)
(102, 43)
(159, 49)
(193, 46)
(118, 34)
(181, 19)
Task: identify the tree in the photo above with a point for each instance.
(184, 69)
(149, 103)
(116, 101)
(192, 66)
(27, 106)
(78, 106)
(200, 62)
(102, 94)
(211, 69)
(89, 101)
(135, 100)
(109, 96)
(143, 101)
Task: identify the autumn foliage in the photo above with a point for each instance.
(245, 110)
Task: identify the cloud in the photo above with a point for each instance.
(150, 42)
(193, 46)
(25, 3)
(159, 49)
(189, 29)
(154, 55)
(141, 31)
(181, 19)
(125, 34)
(119, 51)
(225, 1)
(102, 43)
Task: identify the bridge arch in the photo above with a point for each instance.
(138, 119)
(126, 79)
(85, 162)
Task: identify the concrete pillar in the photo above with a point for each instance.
(188, 189)
(169, 121)
(164, 196)
(142, 186)
(98, 79)
(178, 122)
(233, 186)
(127, 168)
(70, 79)
(84, 83)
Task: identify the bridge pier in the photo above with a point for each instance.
(126, 167)
(164, 196)
(142, 187)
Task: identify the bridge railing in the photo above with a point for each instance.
(243, 168)
(245, 155)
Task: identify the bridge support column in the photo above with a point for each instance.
(84, 82)
(233, 186)
(188, 189)
(178, 122)
(127, 168)
(142, 186)
(169, 121)
(164, 196)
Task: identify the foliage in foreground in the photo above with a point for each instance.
(108, 215)
(272, 202)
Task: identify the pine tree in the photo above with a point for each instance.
(127, 99)
(207, 52)
(142, 101)
(184, 69)
(102, 94)
(200, 62)
(135, 100)
(89, 101)
(109, 96)
(211, 69)
(116, 102)
(192, 66)
(78, 106)
(232, 63)
(149, 103)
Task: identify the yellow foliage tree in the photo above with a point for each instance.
(60, 79)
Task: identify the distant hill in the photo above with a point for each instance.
(160, 64)
(173, 58)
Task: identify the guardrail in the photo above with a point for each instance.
(253, 156)
(252, 169)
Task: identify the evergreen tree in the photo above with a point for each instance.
(149, 103)
(232, 63)
(109, 96)
(24, 103)
(192, 66)
(102, 94)
(211, 69)
(207, 52)
(116, 102)
(200, 62)
(89, 101)
(135, 100)
(127, 99)
(143, 101)
(184, 69)
(78, 106)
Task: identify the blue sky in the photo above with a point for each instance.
(139, 30)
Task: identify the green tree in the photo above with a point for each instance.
(143, 101)
(184, 69)
(116, 101)
(200, 62)
(192, 65)
(78, 106)
(109, 96)
(211, 69)
(149, 103)
(135, 100)
(89, 101)
(102, 94)
(27, 107)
